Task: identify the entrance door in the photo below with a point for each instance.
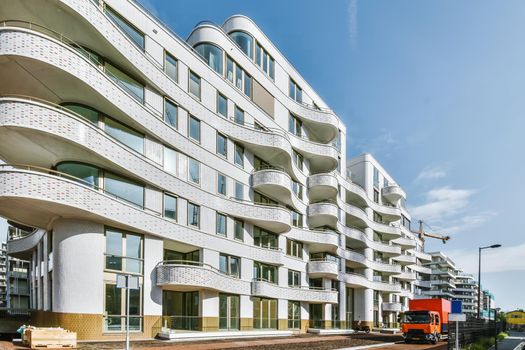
(229, 306)
(264, 313)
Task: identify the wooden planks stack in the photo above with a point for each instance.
(49, 338)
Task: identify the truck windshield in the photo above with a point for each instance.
(417, 317)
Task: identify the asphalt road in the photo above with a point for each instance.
(512, 341)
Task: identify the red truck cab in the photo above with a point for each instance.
(427, 319)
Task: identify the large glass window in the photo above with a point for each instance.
(247, 85)
(295, 125)
(212, 55)
(239, 191)
(238, 77)
(229, 311)
(86, 174)
(171, 113)
(229, 69)
(170, 66)
(298, 159)
(262, 199)
(238, 226)
(170, 160)
(264, 313)
(295, 91)
(294, 278)
(230, 265)
(294, 314)
(133, 87)
(222, 105)
(297, 219)
(123, 251)
(124, 189)
(195, 85)
(297, 189)
(181, 309)
(221, 184)
(86, 112)
(245, 42)
(376, 177)
(194, 214)
(170, 206)
(264, 272)
(221, 224)
(222, 145)
(239, 115)
(127, 136)
(294, 248)
(265, 239)
(194, 170)
(265, 61)
(195, 128)
(131, 32)
(239, 155)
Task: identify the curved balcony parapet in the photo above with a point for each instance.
(422, 255)
(391, 307)
(360, 239)
(422, 284)
(377, 265)
(324, 238)
(405, 243)
(323, 214)
(184, 275)
(322, 268)
(263, 288)
(35, 116)
(406, 276)
(404, 259)
(322, 187)
(393, 193)
(358, 280)
(50, 193)
(277, 184)
(22, 247)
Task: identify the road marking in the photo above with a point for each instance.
(367, 346)
(520, 346)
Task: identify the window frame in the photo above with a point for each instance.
(222, 216)
(198, 207)
(190, 179)
(190, 118)
(190, 75)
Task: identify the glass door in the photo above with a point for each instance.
(229, 312)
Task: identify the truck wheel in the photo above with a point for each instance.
(434, 339)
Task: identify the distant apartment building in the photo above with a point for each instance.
(14, 282)
(3, 274)
(208, 168)
(466, 290)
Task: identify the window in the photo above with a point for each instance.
(125, 189)
(262, 199)
(194, 170)
(195, 128)
(222, 145)
(247, 85)
(170, 160)
(298, 159)
(221, 184)
(294, 248)
(260, 164)
(339, 164)
(124, 134)
(239, 155)
(230, 265)
(195, 85)
(297, 219)
(229, 69)
(170, 66)
(376, 196)
(170, 206)
(244, 41)
(265, 239)
(115, 309)
(385, 182)
(264, 313)
(123, 251)
(85, 112)
(264, 272)
(238, 226)
(376, 177)
(378, 217)
(297, 189)
(239, 115)
(238, 77)
(130, 31)
(336, 142)
(229, 311)
(132, 86)
(294, 125)
(221, 224)
(212, 55)
(85, 174)
(222, 105)
(265, 61)
(239, 191)
(194, 214)
(171, 113)
(295, 91)
(294, 278)
(294, 314)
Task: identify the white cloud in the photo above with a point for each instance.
(352, 22)
(469, 222)
(494, 260)
(431, 173)
(442, 203)
(383, 143)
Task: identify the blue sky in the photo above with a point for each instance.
(433, 89)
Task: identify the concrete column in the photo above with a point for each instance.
(153, 254)
(209, 310)
(364, 306)
(380, 308)
(342, 304)
(282, 313)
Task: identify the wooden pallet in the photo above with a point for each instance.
(50, 338)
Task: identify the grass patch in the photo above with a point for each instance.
(485, 343)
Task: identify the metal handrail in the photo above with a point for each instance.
(169, 263)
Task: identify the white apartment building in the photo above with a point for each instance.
(467, 291)
(3, 274)
(206, 167)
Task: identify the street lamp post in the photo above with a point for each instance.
(479, 273)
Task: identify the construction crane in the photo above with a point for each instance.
(422, 234)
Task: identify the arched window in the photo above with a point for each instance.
(212, 55)
(245, 42)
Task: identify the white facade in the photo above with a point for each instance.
(227, 192)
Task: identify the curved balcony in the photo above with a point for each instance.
(392, 307)
(322, 268)
(323, 214)
(359, 260)
(422, 255)
(262, 288)
(322, 187)
(421, 269)
(406, 276)
(405, 243)
(48, 193)
(319, 240)
(393, 193)
(278, 185)
(357, 281)
(358, 217)
(188, 275)
(322, 155)
(22, 247)
(359, 239)
(422, 284)
(404, 259)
